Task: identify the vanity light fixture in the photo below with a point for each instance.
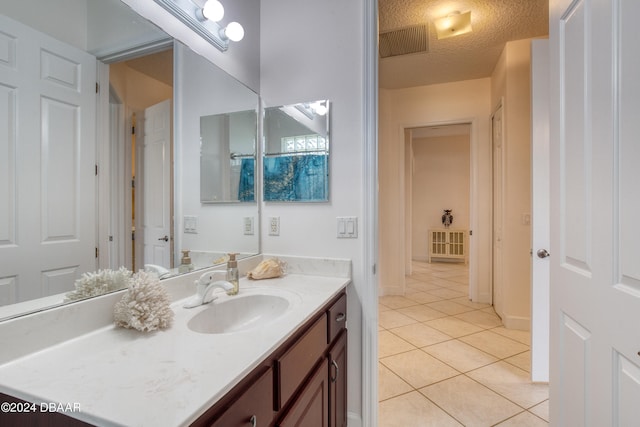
(212, 10)
(454, 24)
(203, 19)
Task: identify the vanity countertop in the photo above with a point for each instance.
(122, 377)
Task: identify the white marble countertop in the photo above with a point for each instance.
(121, 377)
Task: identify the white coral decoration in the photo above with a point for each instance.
(98, 283)
(145, 306)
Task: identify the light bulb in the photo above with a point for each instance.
(234, 31)
(320, 110)
(213, 10)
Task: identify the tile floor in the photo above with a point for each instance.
(446, 361)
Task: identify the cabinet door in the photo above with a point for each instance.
(311, 408)
(338, 382)
(254, 407)
(298, 362)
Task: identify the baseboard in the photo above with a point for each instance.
(353, 420)
(517, 322)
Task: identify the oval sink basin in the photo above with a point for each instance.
(239, 313)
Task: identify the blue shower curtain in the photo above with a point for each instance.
(246, 189)
(296, 177)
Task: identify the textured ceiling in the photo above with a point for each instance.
(468, 56)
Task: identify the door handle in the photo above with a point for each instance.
(165, 238)
(542, 253)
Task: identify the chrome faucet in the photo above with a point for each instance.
(205, 286)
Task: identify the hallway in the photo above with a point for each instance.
(446, 361)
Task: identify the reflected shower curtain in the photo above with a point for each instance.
(302, 178)
(246, 189)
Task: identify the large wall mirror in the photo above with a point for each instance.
(86, 188)
(296, 152)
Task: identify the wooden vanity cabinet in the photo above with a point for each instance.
(304, 384)
(253, 405)
(338, 382)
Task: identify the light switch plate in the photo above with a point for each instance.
(190, 224)
(347, 227)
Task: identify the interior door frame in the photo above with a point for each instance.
(496, 273)
(474, 202)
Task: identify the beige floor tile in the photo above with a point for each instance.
(521, 336)
(382, 307)
(462, 279)
(421, 313)
(465, 301)
(524, 419)
(469, 402)
(453, 326)
(449, 307)
(413, 410)
(393, 319)
(390, 344)
(418, 368)
(459, 355)
(420, 335)
(423, 286)
(447, 293)
(389, 384)
(494, 344)
(422, 297)
(541, 410)
(512, 383)
(396, 301)
(522, 361)
(481, 318)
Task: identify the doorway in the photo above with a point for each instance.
(135, 86)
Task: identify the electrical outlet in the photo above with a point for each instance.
(248, 225)
(274, 226)
(190, 224)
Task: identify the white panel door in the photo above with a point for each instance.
(47, 166)
(540, 206)
(158, 238)
(595, 206)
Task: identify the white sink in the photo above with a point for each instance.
(251, 308)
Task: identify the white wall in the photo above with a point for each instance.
(458, 102)
(202, 90)
(511, 82)
(440, 181)
(323, 60)
(50, 15)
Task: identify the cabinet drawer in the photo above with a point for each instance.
(337, 319)
(297, 362)
(257, 401)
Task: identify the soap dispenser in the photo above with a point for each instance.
(232, 274)
(185, 263)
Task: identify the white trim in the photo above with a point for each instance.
(520, 323)
(369, 389)
(103, 213)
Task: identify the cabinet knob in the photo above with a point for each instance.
(340, 317)
(335, 365)
(254, 421)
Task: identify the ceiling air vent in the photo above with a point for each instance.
(404, 41)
